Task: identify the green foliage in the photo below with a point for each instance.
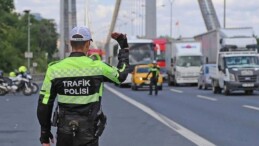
(14, 39)
(6, 5)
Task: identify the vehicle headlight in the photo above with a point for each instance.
(232, 77)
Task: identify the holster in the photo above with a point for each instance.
(85, 126)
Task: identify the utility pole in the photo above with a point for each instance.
(28, 54)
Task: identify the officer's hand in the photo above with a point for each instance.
(116, 35)
(48, 144)
(45, 137)
(121, 39)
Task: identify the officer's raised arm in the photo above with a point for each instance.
(120, 73)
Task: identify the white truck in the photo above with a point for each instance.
(183, 62)
(235, 53)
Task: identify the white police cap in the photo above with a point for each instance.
(82, 31)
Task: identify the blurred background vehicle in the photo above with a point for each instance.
(183, 62)
(141, 51)
(204, 80)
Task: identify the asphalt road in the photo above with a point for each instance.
(178, 116)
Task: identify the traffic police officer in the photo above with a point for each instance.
(77, 81)
(154, 70)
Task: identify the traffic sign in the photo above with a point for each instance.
(28, 55)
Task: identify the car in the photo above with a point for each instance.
(204, 81)
(139, 74)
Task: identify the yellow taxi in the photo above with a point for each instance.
(139, 74)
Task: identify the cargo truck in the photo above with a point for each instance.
(183, 62)
(235, 53)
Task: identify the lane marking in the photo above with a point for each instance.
(251, 107)
(177, 91)
(195, 138)
(207, 98)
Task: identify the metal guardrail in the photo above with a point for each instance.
(38, 77)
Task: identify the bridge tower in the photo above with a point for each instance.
(67, 22)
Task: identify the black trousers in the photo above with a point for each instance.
(79, 140)
(153, 82)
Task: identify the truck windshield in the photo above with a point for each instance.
(140, 53)
(242, 61)
(186, 61)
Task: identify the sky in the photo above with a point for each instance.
(186, 13)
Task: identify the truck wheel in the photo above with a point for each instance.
(175, 83)
(169, 81)
(199, 86)
(214, 90)
(219, 90)
(226, 90)
(204, 87)
(249, 92)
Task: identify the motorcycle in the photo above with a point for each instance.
(21, 85)
(3, 87)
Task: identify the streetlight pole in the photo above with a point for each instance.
(224, 13)
(171, 17)
(29, 47)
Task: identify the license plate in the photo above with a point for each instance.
(248, 85)
(247, 78)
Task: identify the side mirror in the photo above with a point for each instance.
(219, 67)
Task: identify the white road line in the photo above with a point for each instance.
(177, 91)
(198, 140)
(207, 98)
(251, 107)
